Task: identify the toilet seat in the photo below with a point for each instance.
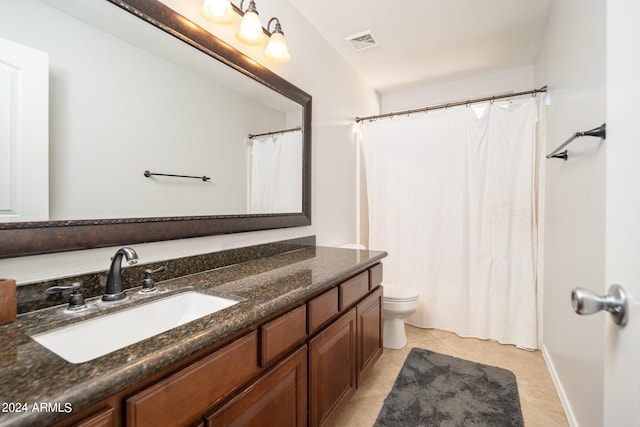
(398, 293)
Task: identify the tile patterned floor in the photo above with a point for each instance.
(538, 397)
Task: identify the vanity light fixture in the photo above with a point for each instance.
(250, 31)
(276, 49)
(218, 11)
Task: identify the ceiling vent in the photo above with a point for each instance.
(363, 40)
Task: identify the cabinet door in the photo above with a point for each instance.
(332, 368)
(277, 399)
(369, 314)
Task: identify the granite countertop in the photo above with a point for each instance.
(31, 375)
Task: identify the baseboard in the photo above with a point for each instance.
(571, 419)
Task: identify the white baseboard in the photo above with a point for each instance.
(571, 419)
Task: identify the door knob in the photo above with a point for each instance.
(585, 301)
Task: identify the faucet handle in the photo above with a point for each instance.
(148, 285)
(76, 300)
(74, 287)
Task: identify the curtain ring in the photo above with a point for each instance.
(493, 98)
(468, 103)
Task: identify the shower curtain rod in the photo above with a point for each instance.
(450, 104)
(251, 136)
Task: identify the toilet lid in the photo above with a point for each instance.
(398, 293)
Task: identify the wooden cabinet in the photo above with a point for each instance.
(183, 397)
(353, 289)
(375, 276)
(294, 369)
(332, 368)
(322, 309)
(279, 398)
(347, 349)
(104, 418)
(370, 332)
(282, 335)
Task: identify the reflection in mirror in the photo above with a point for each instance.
(275, 184)
(135, 87)
(126, 98)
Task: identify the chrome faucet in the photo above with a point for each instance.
(113, 290)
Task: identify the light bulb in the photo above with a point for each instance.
(218, 11)
(277, 50)
(250, 31)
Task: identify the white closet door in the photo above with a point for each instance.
(24, 133)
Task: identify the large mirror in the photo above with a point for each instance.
(137, 95)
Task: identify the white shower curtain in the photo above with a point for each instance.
(264, 164)
(275, 180)
(452, 200)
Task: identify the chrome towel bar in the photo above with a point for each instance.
(150, 174)
(600, 132)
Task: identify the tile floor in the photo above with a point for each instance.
(538, 397)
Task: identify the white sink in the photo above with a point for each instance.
(93, 338)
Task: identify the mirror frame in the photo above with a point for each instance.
(32, 238)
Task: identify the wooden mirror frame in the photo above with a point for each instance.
(31, 238)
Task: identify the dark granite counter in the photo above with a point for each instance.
(31, 375)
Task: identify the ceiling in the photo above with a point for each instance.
(427, 42)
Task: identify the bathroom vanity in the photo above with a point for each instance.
(306, 330)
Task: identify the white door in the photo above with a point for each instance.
(622, 263)
(24, 133)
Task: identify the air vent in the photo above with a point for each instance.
(363, 40)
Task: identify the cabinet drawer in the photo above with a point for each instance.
(321, 309)
(375, 276)
(283, 334)
(279, 398)
(184, 396)
(104, 418)
(353, 289)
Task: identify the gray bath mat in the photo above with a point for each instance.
(437, 390)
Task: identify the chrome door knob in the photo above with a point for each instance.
(585, 301)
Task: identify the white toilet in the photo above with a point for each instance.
(398, 303)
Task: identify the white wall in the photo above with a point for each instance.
(572, 64)
(516, 80)
(339, 94)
